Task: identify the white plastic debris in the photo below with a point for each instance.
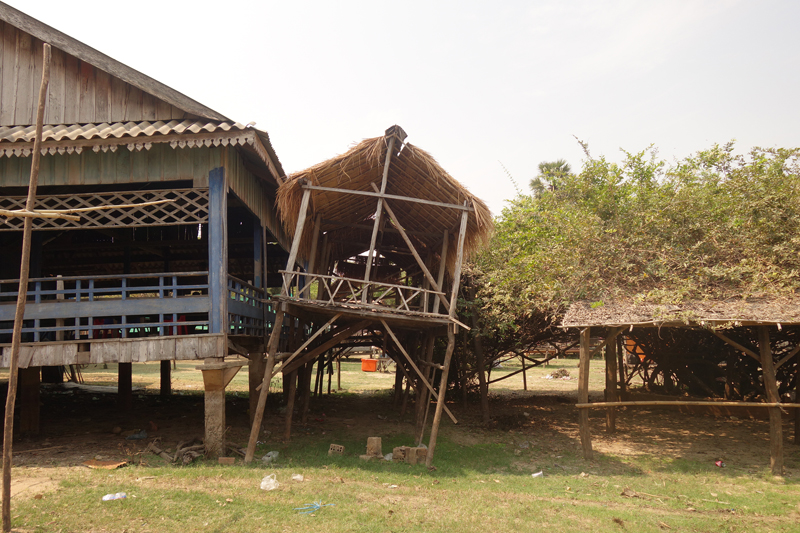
(388, 456)
(538, 474)
(270, 457)
(269, 482)
(297, 477)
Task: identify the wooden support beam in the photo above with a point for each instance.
(388, 197)
(787, 357)
(683, 403)
(29, 397)
(416, 255)
(298, 235)
(440, 406)
(312, 260)
(442, 267)
(378, 217)
(611, 385)
(316, 334)
(340, 336)
(272, 348)
(583, 394)
(258, 364)
(415, 367)
(462, 233)
(771, 387)
(218, 250)
(738, 346)
(16, 337)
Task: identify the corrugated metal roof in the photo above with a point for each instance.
(116, 130)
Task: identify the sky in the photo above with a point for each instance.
(489, 88)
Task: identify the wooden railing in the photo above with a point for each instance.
(125, 306)
(334, 290)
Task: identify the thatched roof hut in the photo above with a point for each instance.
(348, 219)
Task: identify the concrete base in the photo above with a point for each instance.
(216, 376)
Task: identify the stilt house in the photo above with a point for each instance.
(180, 280)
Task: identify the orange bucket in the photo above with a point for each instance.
(369, 365)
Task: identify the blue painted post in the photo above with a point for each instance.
(218, 250)
(257, 253)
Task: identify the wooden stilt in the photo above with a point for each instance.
(797, 399)
(623, 379)
(437, 417)
(307, 374)
(125, 386)
(771, 386)
(166, 378)
(583, 394)
(339, 372)
(611, 386)
(29, 379)
(287, 432)
(378, 217)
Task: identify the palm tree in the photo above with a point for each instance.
(550, 173)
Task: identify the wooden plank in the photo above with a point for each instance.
(583, 393)
(298, 235)
(148, 107)
(102, 98)
(23, 114)
(72, 89)
(119, 99)
(55, 104)
(8, 75)
(86, 93)
(462, 233)
(771, 387)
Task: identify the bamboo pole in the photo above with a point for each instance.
(611, 385)
(682, 403)
(22, 296)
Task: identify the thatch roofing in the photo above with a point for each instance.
(727, 313)
(347, 219)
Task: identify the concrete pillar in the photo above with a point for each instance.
(216, 376)
(125, 386)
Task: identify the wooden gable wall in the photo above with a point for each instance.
(79, 92)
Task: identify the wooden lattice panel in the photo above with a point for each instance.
(190, 206)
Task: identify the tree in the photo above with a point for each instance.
(551, 173)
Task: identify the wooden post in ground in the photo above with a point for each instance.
(29, 379)
(274, 339)
(611, 385)
(125, 386)
(771, 386)
(166, 378)
(306, 375)
(255, 376)
(583, 394)
(451, 340)
(287, 433)
(22, 296)
(797, 399)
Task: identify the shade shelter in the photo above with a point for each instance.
(380, 234)
(765, 317)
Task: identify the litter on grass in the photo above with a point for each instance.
(312, 507)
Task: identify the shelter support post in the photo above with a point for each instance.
(216, 376)
(29, 379)
(771, 387)
(262, 397)
(611, 385)
(125, 386)
(437, 417)
(583, 393)
(378, 218)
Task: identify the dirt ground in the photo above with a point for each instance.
(77, 426)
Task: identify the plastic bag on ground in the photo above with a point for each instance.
(269, 483)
